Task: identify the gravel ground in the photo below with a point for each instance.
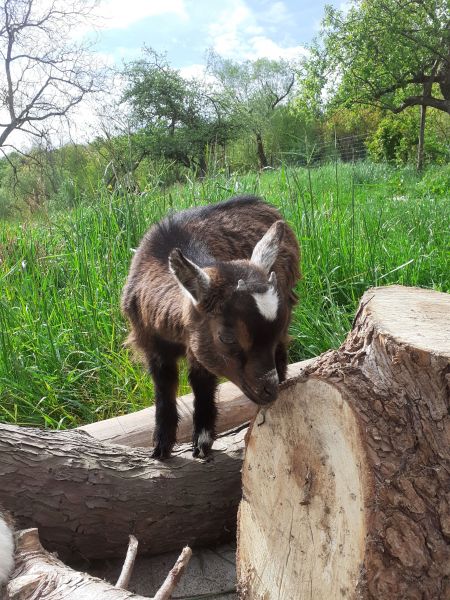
(211, 573)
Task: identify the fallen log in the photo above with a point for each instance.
(346, 483)
(136, 429)
(86, 497)
(39, 574)
(72, 486)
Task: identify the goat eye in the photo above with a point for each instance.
(227, 338)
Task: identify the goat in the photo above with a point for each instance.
(6, 547)
(215, 284)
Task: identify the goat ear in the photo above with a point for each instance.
(266, 250)
(190, 276)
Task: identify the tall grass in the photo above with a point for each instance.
(61, 356)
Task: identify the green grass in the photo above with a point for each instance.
(61, 332)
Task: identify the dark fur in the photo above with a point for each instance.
(166, 325)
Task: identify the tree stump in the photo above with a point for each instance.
(346, 480)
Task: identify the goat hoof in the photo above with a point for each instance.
(161, 453)
(202, 444)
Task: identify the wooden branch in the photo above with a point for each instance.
(39, 574)
(437, 103)
(346, 483)
(128, 564)
(172, 579)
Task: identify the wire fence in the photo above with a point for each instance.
(349, 148)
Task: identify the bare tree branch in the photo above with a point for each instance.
(45, 73)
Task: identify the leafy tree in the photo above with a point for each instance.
(178, 115)
(251, 92)
(392, 54)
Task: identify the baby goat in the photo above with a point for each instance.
(215, 284)
(6, 548)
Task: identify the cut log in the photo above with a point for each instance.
(346, 483)
(136, 429)
(39, 574)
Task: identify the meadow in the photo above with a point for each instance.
(62, 362)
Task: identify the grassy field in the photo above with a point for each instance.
(61, 359)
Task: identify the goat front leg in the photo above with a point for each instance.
(164, 372)
(204, 385)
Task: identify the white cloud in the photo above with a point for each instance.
(239, 35)
(277, 13)
(117, 14)
(264, 47)
(195, 71)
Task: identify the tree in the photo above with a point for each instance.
(251, 91)
(178, 115)
(45, 73)
(391, 54)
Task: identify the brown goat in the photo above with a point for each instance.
(215, 284)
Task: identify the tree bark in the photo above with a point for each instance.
(39, 574)
(420, 147)
(346, 483)
(86, 497)
(262, 159)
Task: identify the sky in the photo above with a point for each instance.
(186, 29)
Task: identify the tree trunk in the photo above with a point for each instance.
(262, 159)
(420, 147)
(346, 483)
(86, 497)
(202, 166)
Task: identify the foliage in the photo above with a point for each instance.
(389, 53)
(251, 92)
(178, 116)
(61, 356)
(395, 138)
(435, 182)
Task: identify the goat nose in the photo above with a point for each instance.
(270, 386)
(269, 394)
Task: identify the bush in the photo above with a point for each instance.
(397, 135)
(435, 182)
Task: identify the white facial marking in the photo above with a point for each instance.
(6, 551)
(267, 304)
